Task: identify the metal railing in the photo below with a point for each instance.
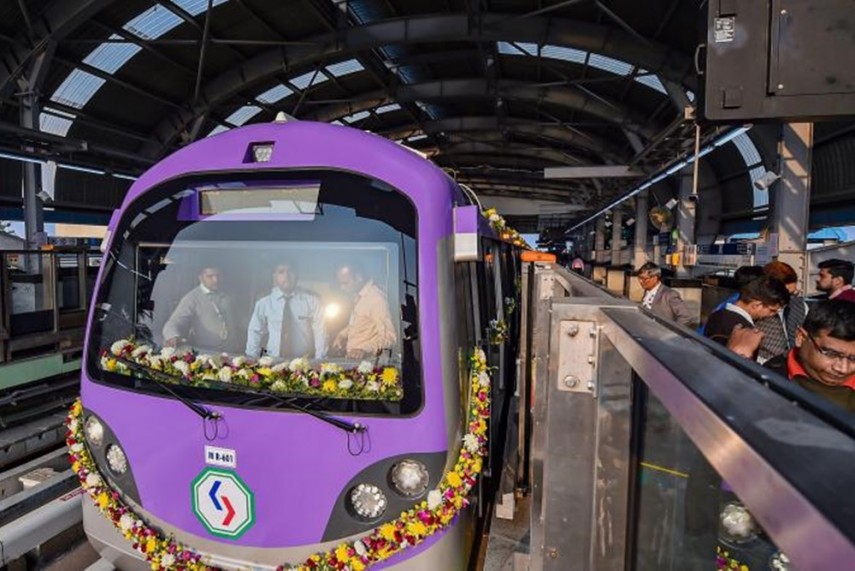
(644, 436)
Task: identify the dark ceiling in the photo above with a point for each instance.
(493, 90)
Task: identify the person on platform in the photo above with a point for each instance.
(659, 298)
(290, 316)
(759, 299)
(577, 264)
(369, 330)
(203, 318)
(835, 279)
(779, 330)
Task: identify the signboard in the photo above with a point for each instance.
(223, 503)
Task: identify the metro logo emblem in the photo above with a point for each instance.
(223, 503)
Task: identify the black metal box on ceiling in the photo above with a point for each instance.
(777, 59)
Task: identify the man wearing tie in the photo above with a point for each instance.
(203, 316)
(290, 316)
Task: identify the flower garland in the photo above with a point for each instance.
(724, 562)
(365, 382)
(499, 332)
(504, 231)
(423, 520)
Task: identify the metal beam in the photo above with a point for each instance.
(448, 28)
(604, 171)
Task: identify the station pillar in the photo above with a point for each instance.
(617, 226)
(791, 198)
(686, 210)
(600, 240)
(639, 251)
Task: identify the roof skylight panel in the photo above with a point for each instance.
(358, 116)
(243, 115)
(196, 7)
(415, 138)
(217, 130)
(109, 57)
(747, 150)
(49, 123)
(517, 48)
(611, 65)
(275, 94)
(344, 68)
(308, 79)
(387, 108)
(153, 23)
(564, 53)
(651, 81)
(761, 195)
(77, 89)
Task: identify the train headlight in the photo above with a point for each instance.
(368, 501)
(116, 460)
(94, 431)
(409, 477)
(737, 522)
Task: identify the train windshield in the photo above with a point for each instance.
(253, 291)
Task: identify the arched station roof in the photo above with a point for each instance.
(494, 91)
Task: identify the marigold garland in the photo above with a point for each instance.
(413, 526)
(504, 231)
(294, 377)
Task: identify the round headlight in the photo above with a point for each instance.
(409, 477)
(368, 501)
(116, 459)
(94, 431)
(736, 522)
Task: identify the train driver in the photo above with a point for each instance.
(291, 317)
(369, 330)
(203, 317)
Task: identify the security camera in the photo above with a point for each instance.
(694, 197)
(765, 181)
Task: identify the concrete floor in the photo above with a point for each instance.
(509, 543)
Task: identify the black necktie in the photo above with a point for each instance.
(286, 343)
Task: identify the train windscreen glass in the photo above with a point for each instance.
(252, 292)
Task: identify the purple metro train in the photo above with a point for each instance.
(277, 353)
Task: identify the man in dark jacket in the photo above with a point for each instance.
(661, 299)
(823, 360)
(758, 299)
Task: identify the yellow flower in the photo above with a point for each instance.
(417, 528)
(454, 479)
(341, 553)
(329, 386)
(103, 500)
(387, 531)
(357, 565)
(389, 376)
(150, 545)
(265, 371)
(111, 365)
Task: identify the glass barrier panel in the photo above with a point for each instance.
(687, 518)
(68, 282)
(32, 303)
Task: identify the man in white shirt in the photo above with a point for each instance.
(291, 317)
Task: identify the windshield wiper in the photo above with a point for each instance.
(153, 374)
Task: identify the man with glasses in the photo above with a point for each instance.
(823, 360)
(659, 298)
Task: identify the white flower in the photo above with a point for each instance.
(238, 361)
(72, 426)
(372, 386)
(182, 367)
(298, 365)
(155, 362)
(330, 369)
(225, 375)
(480, 355)
(280, 367)
(265, 361)
(245, 374)
(345, 384)
(360, 548)
(495, 218)
(93, 480)
(167, 352)
(167, 560)
(365, 367)
(434, 499)
(117, 347)
(279, 385)
(77, 447)
(470, 442)
(483, 379)
(126, 522)
(140, 350)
